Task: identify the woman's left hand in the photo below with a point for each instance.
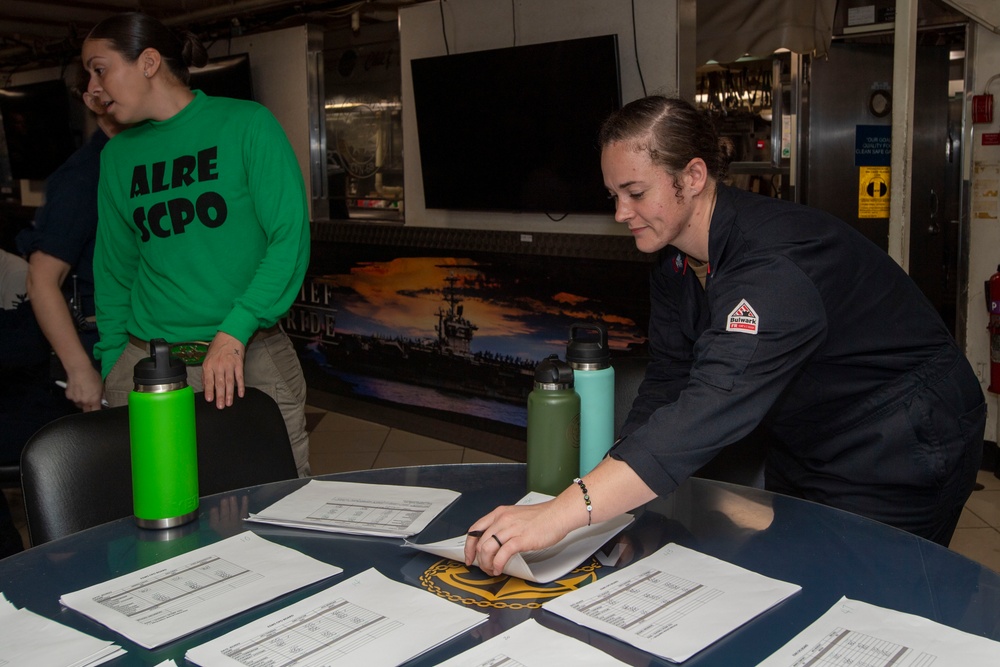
(222, 370)
(512, 529)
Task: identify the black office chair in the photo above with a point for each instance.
(10, 475)
(76, 471)
(739, 463)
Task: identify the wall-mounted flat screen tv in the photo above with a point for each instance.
(515, 129)
(228, 76)
(36, 123)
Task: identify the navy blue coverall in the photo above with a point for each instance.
(807, 329)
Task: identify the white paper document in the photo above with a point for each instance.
(166, 601)
(29, 640)
(365, 620)
(855, 633)
(673, 603)
(358, 509)
(544, 565)
(532, 645)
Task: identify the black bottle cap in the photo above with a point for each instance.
(588, 344)
(554, 371)
(159, 367)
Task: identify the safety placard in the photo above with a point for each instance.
(873, 192)
(872, 145)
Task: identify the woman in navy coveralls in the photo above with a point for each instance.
(767, 313)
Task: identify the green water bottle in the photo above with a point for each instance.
(553, 428)
(164, 450)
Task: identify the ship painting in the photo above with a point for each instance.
(454, 338)
(445, 363)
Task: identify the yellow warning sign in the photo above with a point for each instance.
(873, 192)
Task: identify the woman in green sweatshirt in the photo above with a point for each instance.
(203, 232)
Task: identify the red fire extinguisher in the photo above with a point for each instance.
(993, 304)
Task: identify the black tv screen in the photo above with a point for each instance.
(36, 123)
(515, 129)
(228, 76)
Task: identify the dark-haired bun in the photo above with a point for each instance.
(193, 51)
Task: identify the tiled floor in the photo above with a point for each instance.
(978, 533)
(340, 442)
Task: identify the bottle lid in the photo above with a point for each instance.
(159, 367)
(553, 373)
(588, 344)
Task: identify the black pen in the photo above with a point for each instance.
(475, 533)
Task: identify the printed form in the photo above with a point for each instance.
(532, 645)
(382, 510)
(29, 639)
(544, 565)
(366, 620)
(857, 633)
(673, 603)
(166, 601)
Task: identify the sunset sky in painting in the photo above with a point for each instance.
(401, 297)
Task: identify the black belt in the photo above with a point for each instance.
(193, 352)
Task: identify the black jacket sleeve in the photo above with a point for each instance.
(733, 375)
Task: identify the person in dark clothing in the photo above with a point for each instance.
(767, 314)
(28, 398)
(60, 251)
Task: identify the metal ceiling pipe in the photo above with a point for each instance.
(46, 30)
(229, 10)
(50, 13)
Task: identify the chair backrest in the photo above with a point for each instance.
(76, 471)
(740, 463)
(10, 475)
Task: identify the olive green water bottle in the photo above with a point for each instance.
(164, 450)
(553, 428)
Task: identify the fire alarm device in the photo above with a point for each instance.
(982, 108)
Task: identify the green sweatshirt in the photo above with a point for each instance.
(203, 226)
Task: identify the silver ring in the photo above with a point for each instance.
(497, 539)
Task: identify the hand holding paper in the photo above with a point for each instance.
(544, 565)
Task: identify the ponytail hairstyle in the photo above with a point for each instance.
(132, 33)
(78, 82)
(672, 132)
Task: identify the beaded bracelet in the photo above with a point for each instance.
(586, 498)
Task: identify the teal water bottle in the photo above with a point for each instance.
(594, 380)
(164, 450)
(553, 428)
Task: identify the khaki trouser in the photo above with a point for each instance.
(271, 365)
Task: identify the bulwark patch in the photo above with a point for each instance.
(743, 319)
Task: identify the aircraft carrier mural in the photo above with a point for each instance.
(451, 335)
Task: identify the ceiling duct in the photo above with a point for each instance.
(730, 30)
(986, 12)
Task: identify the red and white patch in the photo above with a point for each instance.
(743, 319)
